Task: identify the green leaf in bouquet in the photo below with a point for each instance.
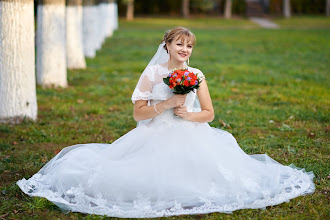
(167, 80)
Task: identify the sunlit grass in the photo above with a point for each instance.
(270, 89)
(309, 22)
(202, 23)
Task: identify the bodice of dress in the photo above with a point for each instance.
(152, 88)
(167, 117)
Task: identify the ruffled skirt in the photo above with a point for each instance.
(163, 171)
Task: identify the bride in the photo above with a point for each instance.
(172, 163)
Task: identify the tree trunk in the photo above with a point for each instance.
(327, 9)
(103, 20)
(228, 8)
(130, 10)
(185, 8)
(90, 28)
(115, 15)
(17, 61)
(286, 8)
(51, 44)
(109, 23)
(75, 51)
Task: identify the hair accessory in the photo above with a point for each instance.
(156, 110)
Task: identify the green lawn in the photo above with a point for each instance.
(269, 87)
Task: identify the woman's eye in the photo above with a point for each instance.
(179, 44)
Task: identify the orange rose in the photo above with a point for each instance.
(192, 82)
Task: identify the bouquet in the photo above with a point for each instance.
(182, 81)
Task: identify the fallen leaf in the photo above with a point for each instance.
(291, 117)
(311, 134)
(44, 159)
(224, 124)
(57, 151)
(4, 216)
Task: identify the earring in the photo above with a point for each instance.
(169, 54)
(188, 62)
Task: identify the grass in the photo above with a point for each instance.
(270, 89)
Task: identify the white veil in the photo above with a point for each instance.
(161, 56)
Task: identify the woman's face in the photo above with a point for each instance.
(180, 49)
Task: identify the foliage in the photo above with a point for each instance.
(269, 89)
(203, 5)
(299, 6)
(216, 7)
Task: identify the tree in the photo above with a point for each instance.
(185, 8)
(51, 44)
(75, 50)
(228, 9)
(105, 24)
(90, 27)
(327, 8)
(286, 8)
(130, 10)
(108, 12)
(115, 14)
(17, 61)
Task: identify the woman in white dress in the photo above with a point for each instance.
(172, 163)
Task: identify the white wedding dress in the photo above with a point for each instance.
(166, 166)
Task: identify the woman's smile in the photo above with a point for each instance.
(180, 50)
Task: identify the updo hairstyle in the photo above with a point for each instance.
(180, 33)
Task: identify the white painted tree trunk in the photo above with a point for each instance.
(228, 8)
(108, 23)
(102, 22)
(115, 16)
(286, 8)
(51, 45)
(17, 62)
(75, 49)
(90, 30)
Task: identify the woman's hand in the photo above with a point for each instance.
(182, 112)
(176, 100)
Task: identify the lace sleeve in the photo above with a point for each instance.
(143, 89)
(198, 72)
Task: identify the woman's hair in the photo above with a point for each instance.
(181, 33)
